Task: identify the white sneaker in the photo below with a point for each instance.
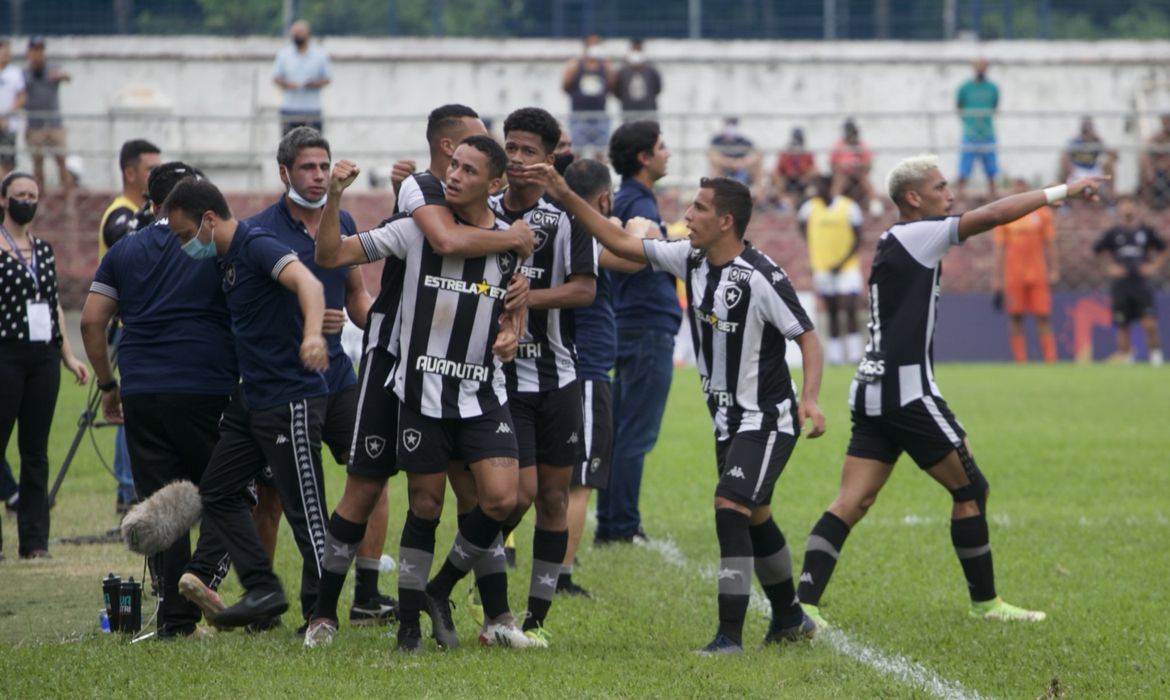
(320, 632)
(509, 635)
(1156, 358)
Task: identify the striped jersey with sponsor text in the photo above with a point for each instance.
(547, 356)
(898, 366)
(740, 315)
(448, 320)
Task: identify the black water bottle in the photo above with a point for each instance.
(111, 588)
(130, 606)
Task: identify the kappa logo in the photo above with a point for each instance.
(374, 445)
(732, 296)
(504, 429)
(411, 439)
(281, 439)
(573, 439)
(737, 473)
(777, 276)
(806, 577)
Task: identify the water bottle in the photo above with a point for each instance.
(111, 586)
(130, 606)
(104, 621)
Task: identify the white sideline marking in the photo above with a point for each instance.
(895, 665)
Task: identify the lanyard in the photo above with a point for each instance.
(26, 264)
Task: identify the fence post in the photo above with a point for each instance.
(695, 19)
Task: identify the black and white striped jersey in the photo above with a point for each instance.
(447, 323)
(898, 366)
(382, 327)
(741, 314)
(547, 356)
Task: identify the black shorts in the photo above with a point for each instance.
(336, 431)
(756, 458)
(426, 445)
(372, 434)
(1132, 300)
(597, 430)
(548, 426)
(925, 429)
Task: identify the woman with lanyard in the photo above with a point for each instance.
(32, 343)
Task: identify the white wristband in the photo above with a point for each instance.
(1055, 194)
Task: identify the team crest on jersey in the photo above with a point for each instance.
(739, 274)
(506, 261)
(374, 445)
(732, 296)
(594, 464)
(411, 439)
(229, 275)
(541, 238)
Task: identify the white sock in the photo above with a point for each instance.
(835, 351)
(854, 348)
(1156, 357)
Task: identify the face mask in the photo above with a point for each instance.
(562, 161)
(300, 41)
(21, 211)
(296, 196)
(198, 250)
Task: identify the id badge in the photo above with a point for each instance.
(40, 323)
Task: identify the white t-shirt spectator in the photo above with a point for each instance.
(11, 85)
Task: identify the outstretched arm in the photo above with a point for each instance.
(1008, 209)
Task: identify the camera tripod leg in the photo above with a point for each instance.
(84, 422)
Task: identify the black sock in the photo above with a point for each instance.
(415, 555)
(366, 572)
(774, 570)
(341, 542)
(476, 533)
(973, 547)
(735, 571)
(820, 556)
(491, 577)
(548, 551)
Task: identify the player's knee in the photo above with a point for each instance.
(426, 505)
(498, 506)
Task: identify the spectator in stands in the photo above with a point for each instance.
(638, 85)
(732, 154)
(45, 132)
(977, 101)
(11, 102)
(831, 225)
(33, 345)
(795, 172)
(587, 80)
(1135, 253)
(851, 161)
(1155, 168)
(1025, 265)
(1087, 155)
(301, 71)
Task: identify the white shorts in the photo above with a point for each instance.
(1079, 173)
(829, 284)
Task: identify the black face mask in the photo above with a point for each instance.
(21, 211)
(300, 41)
(562, 161)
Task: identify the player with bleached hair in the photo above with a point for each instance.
(896, 404)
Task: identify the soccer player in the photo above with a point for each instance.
(177, 361)
(137, 159)
(544, 397)
(303, 158)
(743, 307)
(1025, 265)
(896, 405)
(832, 226)
(453, 405)
(1136, 252)
(276, 415)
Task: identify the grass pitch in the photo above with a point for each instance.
(1077, 461)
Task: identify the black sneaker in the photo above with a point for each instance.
(255, 606)
(777, 634)
(268, 625)
(379, 610)
(571, 588)
(442, 626)
(722, 644)
(409, 638)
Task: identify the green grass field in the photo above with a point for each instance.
(1076, 457)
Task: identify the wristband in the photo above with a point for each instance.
(108, 386)
(1056, 193)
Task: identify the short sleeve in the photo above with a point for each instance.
(579, 253)
(278, 68)
(781, 307)
(419, 191)
(118, 224)
(1156, 240)
(855, 218)
(326, 66)
(668, 256)
(1104, 243)
(265, 252)
(928, 240)
(805, 211)
(105, 280)
(392, 238)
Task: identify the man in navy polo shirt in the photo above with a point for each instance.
(275, 418)
(303, 158)
(177, 361)
(648, 318)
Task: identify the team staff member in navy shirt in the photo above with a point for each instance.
(275, 418)
(648, 317)
(177, 361)
(304, 161)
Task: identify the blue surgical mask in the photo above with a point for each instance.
(199, 250)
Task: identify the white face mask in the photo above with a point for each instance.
(296, 196)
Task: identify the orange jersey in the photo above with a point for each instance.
(1023, 242)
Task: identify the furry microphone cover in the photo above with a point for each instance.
(154, 524)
